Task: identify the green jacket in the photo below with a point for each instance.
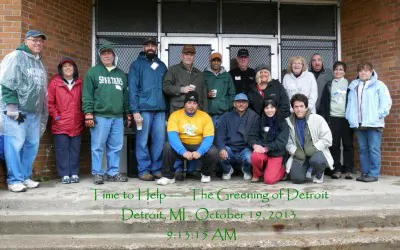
(105, 92)
(223, 83)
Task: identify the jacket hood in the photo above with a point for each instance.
(108, 47)
(26, 49)
(355, 83)
(301, 75)
(210, 70)
(64, 60)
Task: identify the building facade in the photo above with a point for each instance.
(272, 31)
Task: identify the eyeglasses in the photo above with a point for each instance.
(37, 41)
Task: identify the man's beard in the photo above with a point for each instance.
(150, 56)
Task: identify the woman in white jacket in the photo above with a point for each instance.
(298, 80)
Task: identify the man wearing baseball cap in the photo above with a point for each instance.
(220, 88)
(242, 75)
(23, 80)
(147, 104)
(182, 78)
(231, 140)
(190, 137)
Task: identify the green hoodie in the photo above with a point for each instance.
(105, 92)
(23, 80)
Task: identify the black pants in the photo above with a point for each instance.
(298, 170)
(341, 132)
(208, 160)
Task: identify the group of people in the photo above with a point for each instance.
(207, 122)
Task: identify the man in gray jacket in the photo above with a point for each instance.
(182, 78)
(322, 75)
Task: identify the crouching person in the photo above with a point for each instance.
(309, 142)
(232, 134)
(190, 137)
(268, 139)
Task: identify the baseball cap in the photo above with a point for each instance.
(262, 66)
(150, 40)
(35, 33)
(241, 97)
(243, 53)
(188, 48)
(216, 55)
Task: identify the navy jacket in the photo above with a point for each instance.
(145, 82)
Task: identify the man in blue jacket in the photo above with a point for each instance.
(147, 104)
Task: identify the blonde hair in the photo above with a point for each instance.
(258, 81)
(295, 58)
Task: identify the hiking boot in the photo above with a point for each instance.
(98, 179)
(146, 177)
(193, 175)
(117, 178)
(337, 175)
(65, 180)
(17, 187)
(74, 179)
(348, 176)
(165, 181)
(205, 178)
(30, 183)
(228, 175)
(179, 176)
(157, 176)
(361, 177)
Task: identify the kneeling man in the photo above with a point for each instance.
(190, 137)
(309, 142)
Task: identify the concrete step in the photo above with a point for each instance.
(321, 220)
(366, 239)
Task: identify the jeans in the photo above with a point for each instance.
(154, 126)
(21, 144)
(298, 170)
(68, 150)
(242, 157)
(369, 147)
(216, 119)
(109, 132)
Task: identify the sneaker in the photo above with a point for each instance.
(117, 178)
(74, 179)
(165, 181)
(157, 176)
(146, 177)
(319, 180)
(361, 177)
(65, 180)
(246, 176)
(205, 178)
(370, 179)
(179, 176)
(98, 179)
(254, 179)
(30, 183)
(348, 176)
(309, 173)
(195, 175)
(228, 175)
(17, 187)
(337, 175)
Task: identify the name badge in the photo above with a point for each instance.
(266, 129)
(154, 65)
(238, 78)
(118, 87)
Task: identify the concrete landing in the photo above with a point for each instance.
(338, 214)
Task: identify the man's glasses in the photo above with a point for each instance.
(37, 41)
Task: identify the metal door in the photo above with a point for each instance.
(171, 49)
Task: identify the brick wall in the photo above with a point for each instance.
(68, 27)
(371, 32)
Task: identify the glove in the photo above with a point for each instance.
(89, 120)
(128, 121)
(12, 111)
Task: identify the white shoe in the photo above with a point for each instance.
(319, 181)
(30, 183)
(246, 176)
(165, 181)
(17, 187)
(228, 175)
(205, 178)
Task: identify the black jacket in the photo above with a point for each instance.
(324, 109)
(276, 144)
(274, 91)
(243, 79)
